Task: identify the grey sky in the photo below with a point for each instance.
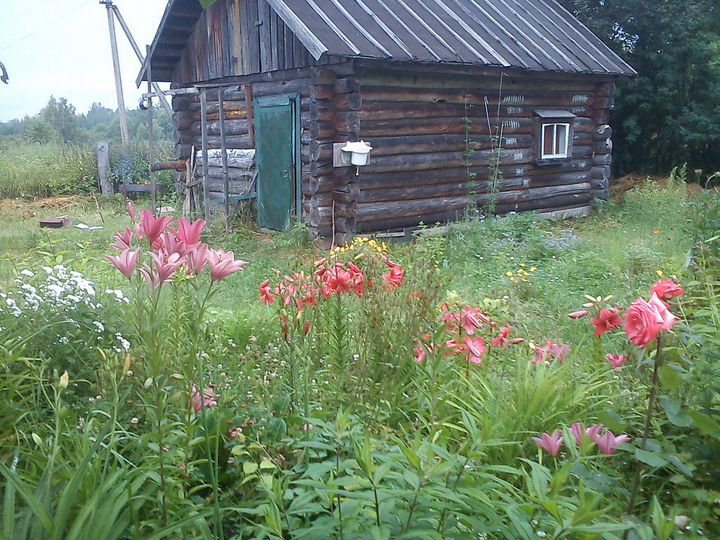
(62, 47)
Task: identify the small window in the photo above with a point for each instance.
(555, 141)
(553, 135)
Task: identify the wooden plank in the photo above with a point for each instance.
(204, 143)
(223, 149)
(265, 49)
(103, 161)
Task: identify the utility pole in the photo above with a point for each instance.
(140, 57)
(124, 132)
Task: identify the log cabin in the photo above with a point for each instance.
(467, 104)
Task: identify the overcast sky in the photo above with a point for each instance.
(62, 48)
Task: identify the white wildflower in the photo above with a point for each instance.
(27, 273)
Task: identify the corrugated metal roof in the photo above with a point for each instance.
(538, 35)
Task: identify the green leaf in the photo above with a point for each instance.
(612, 421)
(250, 468)
(265, 464)
(704, 423)
(670, 377)
(650, 458)
(38, 510)
(674, 413)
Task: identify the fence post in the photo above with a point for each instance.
(103, 161)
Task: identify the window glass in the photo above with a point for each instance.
(554, 141)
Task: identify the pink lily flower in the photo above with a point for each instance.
(124, 239)
(472, 319)
(209, 398)
(125, 262)
(550, 352)
(164, 268)
(616, 360)
(608, 442)
(396, 276)
(153, 227)
(476, 349)
(580, 432)
(190, 233)
(196, 259)
(166, 264)
(131, 212)
(266, 296)
(170, 243)
(223, 264)
(420, 353)
(550, 443)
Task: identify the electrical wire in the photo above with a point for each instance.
(48, 25)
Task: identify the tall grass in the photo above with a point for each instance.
(41, 170)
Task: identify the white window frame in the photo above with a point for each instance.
(555, 125)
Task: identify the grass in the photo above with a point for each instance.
(617, 251)
(40, 170)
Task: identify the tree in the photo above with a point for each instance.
(670, 113)
(39, 130)
(61, 116)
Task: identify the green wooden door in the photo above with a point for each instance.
(275, 144)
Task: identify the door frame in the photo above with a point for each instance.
(296, 107)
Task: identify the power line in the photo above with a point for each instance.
(48, 25)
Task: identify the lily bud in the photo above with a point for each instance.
(64, 380)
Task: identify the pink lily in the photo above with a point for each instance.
(396, 276)
(476, 349)
(124, 239)
(153, 227)
(266, 296)
(208, 399)
(125, 262)
(420, 353)
(190, 233)
(616, 360)
(170, 243)
(164, 268)
(550, 443)
(166, 264)
(223, 264)
(580, 432)
(196, 259)
(472, 319)
(608, 442)
(131, 212)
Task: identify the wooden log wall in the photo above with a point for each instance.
(330, 194)
(240, 37)
(426, 126)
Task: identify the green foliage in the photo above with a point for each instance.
(665, 116)
(339, 432)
